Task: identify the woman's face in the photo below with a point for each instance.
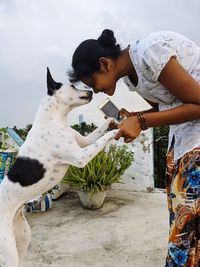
(103, 80)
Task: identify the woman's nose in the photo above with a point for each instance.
(95, 91)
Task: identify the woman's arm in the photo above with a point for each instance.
(181, 114)
(125, 113)
(176, 79)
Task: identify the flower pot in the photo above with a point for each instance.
(92, 201)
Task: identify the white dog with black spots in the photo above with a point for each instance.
(50, 147)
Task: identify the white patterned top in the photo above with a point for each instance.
(149, 55)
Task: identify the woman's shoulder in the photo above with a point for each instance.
(160, 35)
(151, 52)
(157, 38)
(161, 44)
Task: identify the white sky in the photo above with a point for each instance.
(35, 34)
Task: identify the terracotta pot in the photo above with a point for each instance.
(92, 202)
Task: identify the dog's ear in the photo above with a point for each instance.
(51, 84)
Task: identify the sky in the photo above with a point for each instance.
(35, 34)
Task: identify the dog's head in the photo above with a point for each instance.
(67, 94)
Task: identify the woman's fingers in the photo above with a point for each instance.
(128, 139)
(122, 123)
(124, 113)
(118, 135)
(129, 128)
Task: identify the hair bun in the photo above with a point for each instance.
(107, 39)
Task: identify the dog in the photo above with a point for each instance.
(42, 161)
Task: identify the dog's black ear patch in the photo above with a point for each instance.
(51, 84)
(26, 171)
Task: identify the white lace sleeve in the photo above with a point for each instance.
(154, 59)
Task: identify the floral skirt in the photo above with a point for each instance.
(183, 191)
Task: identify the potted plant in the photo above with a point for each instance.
(99, 174)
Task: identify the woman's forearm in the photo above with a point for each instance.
(150, 110)
(180, 114)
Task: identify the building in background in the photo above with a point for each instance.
(80, 118)
(10, 140)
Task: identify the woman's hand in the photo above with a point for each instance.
(129, 129)
(124, 113)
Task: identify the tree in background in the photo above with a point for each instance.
(23, 132)
(84, 128)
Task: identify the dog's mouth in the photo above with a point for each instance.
(87, 97)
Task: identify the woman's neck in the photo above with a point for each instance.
(125, 67)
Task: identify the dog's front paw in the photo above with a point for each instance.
(112, 123)
(113, 133)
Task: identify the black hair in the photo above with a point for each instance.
(85, 60)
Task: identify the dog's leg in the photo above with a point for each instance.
(73, 154)
(95, 135)
(22, 234)
(8, 250)
(89, 152)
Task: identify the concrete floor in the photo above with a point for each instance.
(130, 230)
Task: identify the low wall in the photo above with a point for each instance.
(139, 176)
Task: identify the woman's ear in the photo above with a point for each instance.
(105, 64)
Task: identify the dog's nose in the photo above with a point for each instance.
(89, 93)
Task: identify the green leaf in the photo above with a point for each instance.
(102, 171)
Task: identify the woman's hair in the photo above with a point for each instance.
(85, 60)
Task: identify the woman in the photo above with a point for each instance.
(164, 68)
